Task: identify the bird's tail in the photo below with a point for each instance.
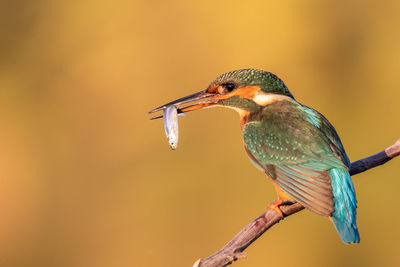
(344, 198)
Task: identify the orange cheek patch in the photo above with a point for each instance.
(244, 92)
(248, 91)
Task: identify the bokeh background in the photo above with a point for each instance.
(86, 179)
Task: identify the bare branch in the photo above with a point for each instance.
(234, 249)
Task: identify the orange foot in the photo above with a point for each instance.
(275, 206)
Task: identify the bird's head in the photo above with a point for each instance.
(244, 90)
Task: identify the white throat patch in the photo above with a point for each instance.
(264, 99)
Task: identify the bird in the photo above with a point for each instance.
(294, 145)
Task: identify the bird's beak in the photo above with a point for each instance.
(196, 97)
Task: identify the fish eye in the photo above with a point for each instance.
(229, 86)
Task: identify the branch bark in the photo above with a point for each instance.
(234, 249)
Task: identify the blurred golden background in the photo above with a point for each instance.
(88, 180)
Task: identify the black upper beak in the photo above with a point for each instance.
(190, 98)
(183, 100)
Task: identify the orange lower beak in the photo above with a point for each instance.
(197, 106)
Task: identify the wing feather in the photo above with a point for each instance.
(297, 155)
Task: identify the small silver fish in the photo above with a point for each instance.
(170, 118)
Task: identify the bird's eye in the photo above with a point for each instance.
(229, 86)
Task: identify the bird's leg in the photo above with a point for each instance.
(275, 206)
(283, 198)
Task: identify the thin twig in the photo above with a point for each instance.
(234, 249)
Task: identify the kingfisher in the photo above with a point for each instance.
(294, 145)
